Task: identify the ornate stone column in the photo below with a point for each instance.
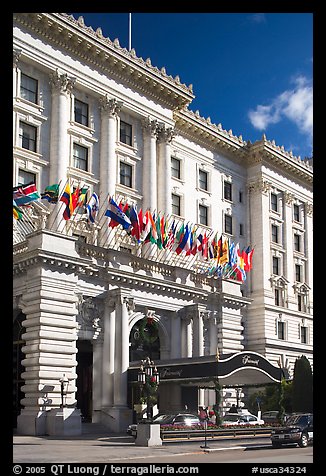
(164, 200)
(186, 336)
(119, 412)
(288, 245)
(175, 336)
(16, 55)
(59, 144)
(150, 130)
(308, 243)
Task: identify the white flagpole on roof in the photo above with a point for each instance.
(129, 31)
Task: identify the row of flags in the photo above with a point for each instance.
(219, 255)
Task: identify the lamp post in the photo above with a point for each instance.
(64, 381)
(148, 376)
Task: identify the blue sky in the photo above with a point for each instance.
(251, 72)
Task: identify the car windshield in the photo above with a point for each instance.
(297, 420)
(231, 418)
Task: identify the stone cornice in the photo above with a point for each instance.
(265, 151)
(192, 124)
(73, 35)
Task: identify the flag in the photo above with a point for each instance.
(115, 213)
(184, 242)
(24, 194)
(171, 236)
(159, 232)
(17, 212)
(51, 193)
(92, 208)
(70, 199)
(203, 244)
(224, 257)
(152, 234)
(82, 199)
(134, 218)
(248, 262)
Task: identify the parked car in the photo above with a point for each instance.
(241, 419)
(272, 416)
(297, 429)
(177, 419)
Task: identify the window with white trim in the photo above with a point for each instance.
(27, 136)
(125, 133)
(80, 157)
(28, 88)
(81, 112)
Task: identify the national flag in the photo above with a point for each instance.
(92, 208)
(70, 199)
(171, 236)
(159, 241)
(24, 194)
(203, 244)
(115, 213)
(248, 263)
(184, 241)
(51, 193)
(82, 198)
(134, 218)
(224, 258)
(152, 234)
(17, 212)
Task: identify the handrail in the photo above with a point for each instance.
(216, 432)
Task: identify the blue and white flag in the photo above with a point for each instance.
(92, 208)
(116, 214)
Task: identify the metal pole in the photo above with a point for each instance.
(205, 429)
(129, 31)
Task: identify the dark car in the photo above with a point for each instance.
(177, 419)
(297, 429)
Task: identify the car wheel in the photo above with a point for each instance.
(303, 443)
(275, 444)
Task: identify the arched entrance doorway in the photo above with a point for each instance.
(144, 340)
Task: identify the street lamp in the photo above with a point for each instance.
(148, 379)
(64, 381)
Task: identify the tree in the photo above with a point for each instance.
(302, 386)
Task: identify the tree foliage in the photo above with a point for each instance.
(302, 391)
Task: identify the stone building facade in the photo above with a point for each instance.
(87, 110)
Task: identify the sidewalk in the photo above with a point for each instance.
(95, 445)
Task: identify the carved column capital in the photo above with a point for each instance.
(151, 126)
(165, 134)
(288, 198)
(260, 186)
(110, 106)
(16, 55)
(309, 209)
(61, 82)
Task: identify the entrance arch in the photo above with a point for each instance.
(147, 337)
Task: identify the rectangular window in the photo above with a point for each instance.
(300, 302)
(275, 233)
(296, 242)
(228, 191)
(304, 335)
(27, 136)
(240, 197)
(126, 174)
(81, 112)
(228, 224)
(28, 88)
(277, 297)
(203, 215)
(274, 206)
(296, 213)
(25, 177)
(276, 265)
(240, 229)
(80, 157)
(176, 202)
(175, 168)
(281, 330)
(125, 133)
(298, 273)
(203, 180)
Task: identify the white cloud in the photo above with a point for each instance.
(295, 104)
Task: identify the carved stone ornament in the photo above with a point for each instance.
(61, 82)
(260, 186)
(111, 106)
(166, 134)
(288, 198)
(89, 315)
(151, 126)
(16, 55)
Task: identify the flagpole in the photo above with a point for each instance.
(129, 31)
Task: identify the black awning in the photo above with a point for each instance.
(242, 368)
